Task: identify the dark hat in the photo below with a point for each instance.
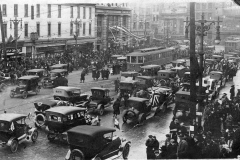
(167, 135)
(154, 137)
(232, 86)
(224, 93)
(150, 136)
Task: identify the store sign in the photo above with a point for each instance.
(12, 50)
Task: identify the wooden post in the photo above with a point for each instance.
(3, 41)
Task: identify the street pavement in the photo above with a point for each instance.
(45, 150)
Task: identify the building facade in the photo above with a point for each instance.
(112, 25)
(44, 29)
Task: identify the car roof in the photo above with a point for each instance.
(187, 73)
(47, 102)
(91, 131)
(150, 66)
(11, 116)
(66, 88)
(137, 99)
(58, 70)
(36, 70)
(65, 109)
(210, 59)
(178, 68)
(28, 77)
(145, 77)
(178, 61)
(99, 88)
(129, 81)
(161, 89)
(166, 71)
(129, 72)
(120, 58)
(216, 72)
(58, 65)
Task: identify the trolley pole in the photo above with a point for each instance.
(3, 53)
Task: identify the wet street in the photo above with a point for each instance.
(56, 150)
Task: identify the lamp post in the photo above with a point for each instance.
(78, 25)
(16, 22)
(34, 37)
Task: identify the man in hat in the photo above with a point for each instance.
(182, 149)
(232, 92)
(150, 147)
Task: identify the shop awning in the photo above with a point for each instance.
(81, 41)
(49, 45)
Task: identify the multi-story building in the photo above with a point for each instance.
(109, 17)
(57, 26)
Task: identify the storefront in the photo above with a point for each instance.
(11, 51)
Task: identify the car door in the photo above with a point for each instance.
(20, 127)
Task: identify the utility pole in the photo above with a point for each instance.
(3, 41)
(76, 22)
(16, 22)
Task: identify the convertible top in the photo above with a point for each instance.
(145, 77)
(11, 116)
(99, 88)
(65, 109)
(90, 131)
(150, 66)
(29, 77)
(58, 70)
(47, 102)
(66, 88)
(58, 65)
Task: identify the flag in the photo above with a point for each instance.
(116, 123)
(12, 127)
(10, 39)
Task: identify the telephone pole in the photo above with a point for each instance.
(3, 41)
(77, 23)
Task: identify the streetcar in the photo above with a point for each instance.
(147, 56)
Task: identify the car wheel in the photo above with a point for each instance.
(125, 151)
(37, 90)
(14, 146)
(24, 95)
(34, 136)
(101, 111)
(40, 120)
(77, 155)
(51, 136)
(11, 94)
(97, 158)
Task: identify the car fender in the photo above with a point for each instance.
(10, 140)
(124, 142)
(99, 106)
(82, 103)
(67, 157)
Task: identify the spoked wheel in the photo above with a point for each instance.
(125, 151)
(24, 95)
(124, 119)
(34, 136)
(77, 155)
(101, 111)
(14, 146)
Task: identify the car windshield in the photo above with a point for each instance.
(134, 104)
(98, 93)
(22, 82)
(108, 136)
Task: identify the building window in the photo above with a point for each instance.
(38, 10)
(15, 10)
(5, 30)
(198, 16)
(204, 6)
(84, 27)
(125, 21)
(26, 30)
(38, 29)
(84, 12)
(32, 12)
(134, 25)
(90, 13)
(71, 28)
(78, 11)
(59, 29)
(209, 16)
(197, 6)
(49, 10)
(59, 11)
(140, 25)
(209, 5)
(71, 12)
(26, 10)
(4, 11)
(90, 28)
(15, 30)
(49, 29)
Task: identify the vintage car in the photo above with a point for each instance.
(99, 100)
(150, 70)
(218, 75)
(210, 61)
(104, 145)
(59, 66)
(165, 76)
(26, 84)
(14, 130)
(127, 76)
(186, 78)
(180, 71)
(213, 88)
(178, 63)
(71, 94)
(217, 57)
(49, 82)
(40, 108)
(138, 110)
(145, 81)
(41, 73)
(62, 118)
(128, 87)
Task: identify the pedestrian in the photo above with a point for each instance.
(97, 74)
(182, 149)
(155, 143)
(172, 150)
(116, 107)
(116, 83)
(182, 129)
(174, 127)
(83, 76)
(167, 141)
(150, 150)
(232, 92)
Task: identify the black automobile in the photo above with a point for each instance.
(14, 130)
(95, 142)
(26, 84)
(62, 118)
